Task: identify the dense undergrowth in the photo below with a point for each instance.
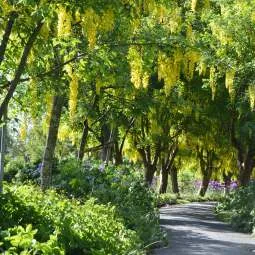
(93, 209)
(76, 228)
(238, 208)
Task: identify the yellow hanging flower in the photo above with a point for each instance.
(251, 94)
(64, 22)
(77, 17)
(91, 22)
(221, 34)
(169, 69)
(202, 69)
(45, 30)
(136, 65)
(107, 21)
(145, 80)
(23, 131)
(73, 95)
(229, 83)
(175, 20)
(193, 5)
(161, 13)
(191, 59)
(63, 132)
(213, 82)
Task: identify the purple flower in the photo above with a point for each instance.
(233, 185)
(101, 167)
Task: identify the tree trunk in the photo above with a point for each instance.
(164, 181)
(106, 136)
(245, 165)
(167, 165)
(206, 158)
(245, 159)
(117, 148)
(245, 175)
(3, 133)
(204, 186)
(117, 154)
(227, 181)
(149, 171)
(83, 140)
(46, 169)
(119, 143)
(174, 180)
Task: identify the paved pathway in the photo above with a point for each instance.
(193, 229)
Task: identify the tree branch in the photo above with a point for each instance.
(126, 133)
(20, 69)
(12, 17)
(157, 154)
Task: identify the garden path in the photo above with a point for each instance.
(194, 230)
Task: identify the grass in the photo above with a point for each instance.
(224, 216)
(173, 199)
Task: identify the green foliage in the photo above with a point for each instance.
(177, 55)
(12, 167)
(19, 240)
(121, 186)
(78, 227)
(19, 170)
(239, 208)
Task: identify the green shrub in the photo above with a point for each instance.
(20, 171)
(13, 167)
(72, 178)
(121, 186)
(19, 240)
(86, 228)
(239, 205)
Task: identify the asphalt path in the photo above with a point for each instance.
(194, 230)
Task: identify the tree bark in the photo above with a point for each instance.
(204, 186)
(3, 133)
(83, 140)
(245, 157)
(106, 137)
(46, 169)
(150, 165)
(118, 154)
(206, 158)
(149, 172)
(227, 181)
(164, 181)
(245, 169)
(119, 143)
(20, 69)
(174, 180)
(167, 163)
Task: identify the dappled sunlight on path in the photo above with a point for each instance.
(193, 229)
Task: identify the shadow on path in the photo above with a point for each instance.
(193, 229)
